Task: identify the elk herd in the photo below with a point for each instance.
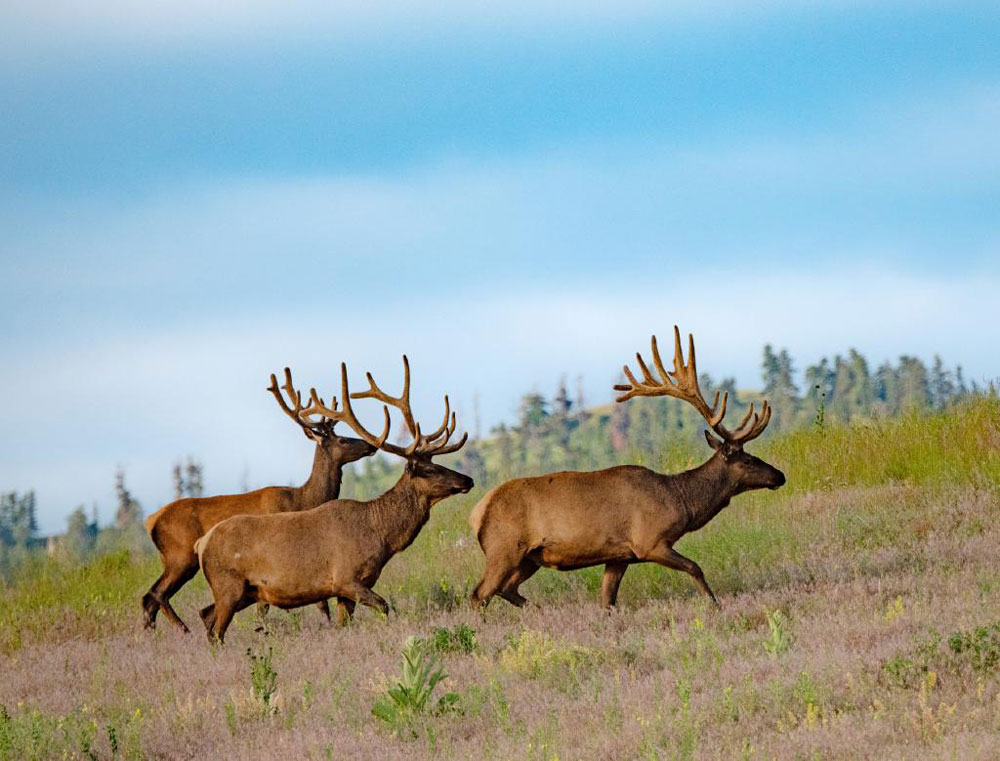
(288, 547)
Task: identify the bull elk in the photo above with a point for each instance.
(339, 548)
(176, 527)
(622, 515)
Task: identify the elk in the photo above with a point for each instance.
(176, 527)
(621, 515)
(339, 548)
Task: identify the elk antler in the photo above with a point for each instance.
(318, 427)
(682, 383)
(423, 445)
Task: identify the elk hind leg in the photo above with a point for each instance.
(229, 600)
(495, 577)
(671, 558)
(524, 571)
(175, 576)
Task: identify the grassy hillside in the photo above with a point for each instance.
(859, 620)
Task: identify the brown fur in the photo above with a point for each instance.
(619, 516)
(335, 550)
(176, 527)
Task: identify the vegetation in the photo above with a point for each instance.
(561, 434)
(859, 619)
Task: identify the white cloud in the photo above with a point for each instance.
(494, 277)
(142, 398)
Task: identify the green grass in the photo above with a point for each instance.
(745, 547)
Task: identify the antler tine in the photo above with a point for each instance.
(743, 433)
(682, 383)
(657, 362)
(296, 398)
(401, 402)
(444, 425)
(346, 415)
(454, 447)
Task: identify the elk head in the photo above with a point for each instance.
(429, 478)
(746, 471)
(342, 449)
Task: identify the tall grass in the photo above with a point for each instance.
(858, 620)
(748, 545)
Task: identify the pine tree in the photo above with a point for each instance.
(80, 535)
(914, 386)
(193, 478)
(885, 389)
(942, 386)
(128, 511)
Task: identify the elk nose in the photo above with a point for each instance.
(779, 481)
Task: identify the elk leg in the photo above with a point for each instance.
(165, 588)
(345, 609)
(613, 573)
(224, 612)
(324, 608)
(150, 606)
(208, 617)
(524, 572)
(671, 558)
(491, 583)
(367, 597)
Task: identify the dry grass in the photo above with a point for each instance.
(886, 648)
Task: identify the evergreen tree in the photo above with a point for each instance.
(885, 389)
(914, 386)
(18, 520)
(80, 536)
(128, 511)
(193, 478)
(942, 385)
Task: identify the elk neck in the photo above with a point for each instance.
(323, 483)
(705, 490)
(398, 515)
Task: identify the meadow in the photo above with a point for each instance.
(859, 620)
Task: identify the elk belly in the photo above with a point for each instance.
(566, 556)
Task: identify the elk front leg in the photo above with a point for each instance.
(613, 573)
(671, 558)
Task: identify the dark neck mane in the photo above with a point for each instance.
(323, 483)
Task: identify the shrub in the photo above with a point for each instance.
(411, 697)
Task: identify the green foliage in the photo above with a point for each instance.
(411, 697)
(778, 638)
(33, 735)
(263, 678)
(459, 639)
(978, 647)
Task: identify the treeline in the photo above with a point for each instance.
(84, 535)
(563, 434)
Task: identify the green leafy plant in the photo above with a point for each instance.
(979, 647)
(778, 639)
(413, 693)
(460, 639)
(263, 678)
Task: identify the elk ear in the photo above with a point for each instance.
(712, 441)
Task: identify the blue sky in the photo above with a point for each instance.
(191, 198)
